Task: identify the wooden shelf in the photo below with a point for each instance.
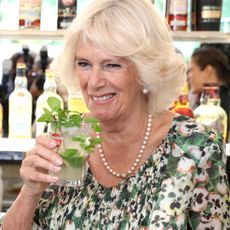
(194, 36)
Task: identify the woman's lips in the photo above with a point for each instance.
(103, 99)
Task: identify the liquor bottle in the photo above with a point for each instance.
(29, 14)
(181, 105)
(67, 10)
(50, 90)
(206, 14)
(1, 119)
(20, 106)
(177, 14)
(76, 102)
(209, 111)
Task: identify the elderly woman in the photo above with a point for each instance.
(154, 169)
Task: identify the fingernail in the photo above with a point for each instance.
(53, 144)
(56, 168)
(53, 179)
(59, 161)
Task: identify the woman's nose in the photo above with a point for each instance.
(96, 79)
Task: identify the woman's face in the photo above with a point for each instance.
(109, 84)
(196, 77)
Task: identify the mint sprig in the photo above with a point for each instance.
(58, 118)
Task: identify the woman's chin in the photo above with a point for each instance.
(100, 115)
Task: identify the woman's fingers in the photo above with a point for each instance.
(39, 162)
(45, 148)
(33, 176)
(46, 141)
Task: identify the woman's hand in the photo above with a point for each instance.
(37, 164)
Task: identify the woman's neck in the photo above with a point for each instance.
(125, 130)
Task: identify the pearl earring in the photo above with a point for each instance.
(145, 91)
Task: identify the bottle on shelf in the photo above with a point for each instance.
(206, 15)
(20, 106)
(67, 10)
(1, 120)
(29, 14)
(50, 90)
(209, 111)
(177, 14)
(76, 102)
(181, 105)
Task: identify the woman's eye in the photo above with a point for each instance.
(113, 66)
(82, 64)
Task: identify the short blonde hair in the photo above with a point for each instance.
(133, 29)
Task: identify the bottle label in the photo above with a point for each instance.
(66, 12)
(65, 24)
(178, 7)
(29, 14)
(177, 23)
(210, 12)
(20, 115)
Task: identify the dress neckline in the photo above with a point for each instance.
(155, 155)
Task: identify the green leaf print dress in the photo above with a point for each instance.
(183, 185)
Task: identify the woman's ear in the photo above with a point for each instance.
(208, 71)
(211, 75)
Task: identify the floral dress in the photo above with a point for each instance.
(183, 185)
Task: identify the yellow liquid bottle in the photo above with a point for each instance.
(76, 103)
(50, 90)
(20, 106)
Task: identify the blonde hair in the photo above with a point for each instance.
(132, 29)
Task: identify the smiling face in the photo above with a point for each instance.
(109, 84)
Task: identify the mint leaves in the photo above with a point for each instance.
(61, 119)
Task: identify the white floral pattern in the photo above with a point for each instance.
(182, 184)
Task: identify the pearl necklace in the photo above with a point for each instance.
(139, 156)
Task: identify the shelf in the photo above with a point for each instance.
(16, 145)
(8, 157)
(32, 34)
(195, 36)
(202, 36)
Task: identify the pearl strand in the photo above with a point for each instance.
(139, 156)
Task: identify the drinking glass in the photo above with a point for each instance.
(74, 167)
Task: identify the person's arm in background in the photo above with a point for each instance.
(34, 172)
